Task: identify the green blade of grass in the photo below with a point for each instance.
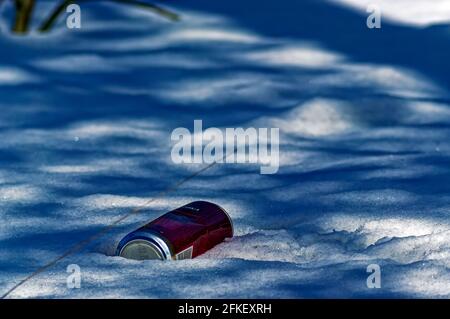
(50, 21)
(24, 9)
(152, 7)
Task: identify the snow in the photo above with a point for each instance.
(364, 123)
(13, 76)
(417, 13)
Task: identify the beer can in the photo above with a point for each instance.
(183, 233)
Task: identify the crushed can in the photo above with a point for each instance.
(183, 233)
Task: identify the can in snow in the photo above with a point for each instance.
(183, 233)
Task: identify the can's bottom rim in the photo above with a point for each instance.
(229, 218)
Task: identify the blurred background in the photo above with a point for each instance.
(364, 118)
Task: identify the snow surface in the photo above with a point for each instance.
(364, 118)
(411, 12)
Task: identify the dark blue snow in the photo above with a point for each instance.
(364, 117)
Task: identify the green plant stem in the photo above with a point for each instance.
(50, 21)
(24, 9)
(152, 7)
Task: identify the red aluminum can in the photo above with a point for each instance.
(183, 233)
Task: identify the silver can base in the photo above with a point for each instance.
(140, 249)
